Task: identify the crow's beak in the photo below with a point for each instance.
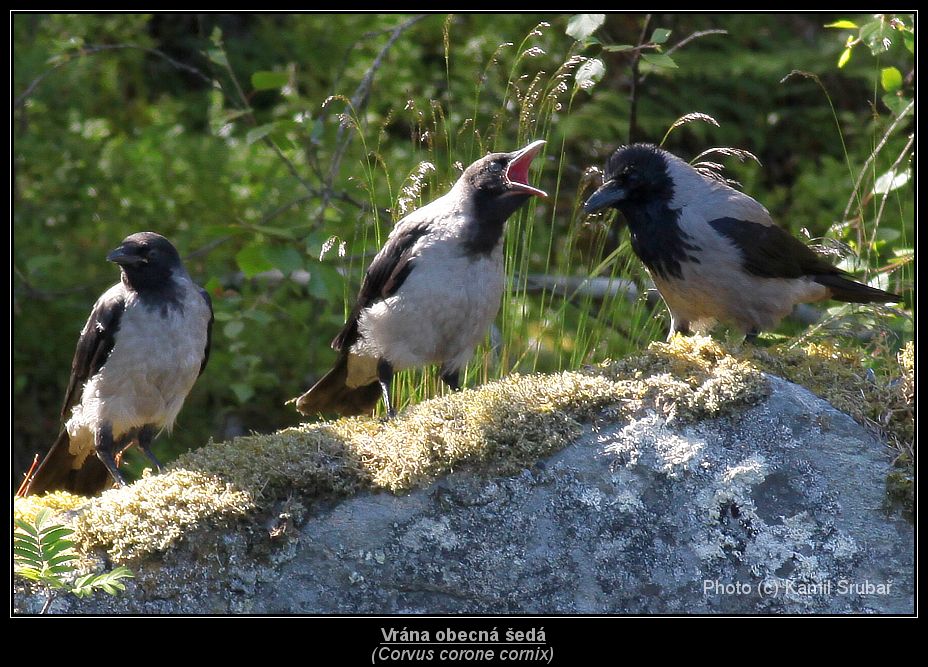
(607, 195)
(125, 256)
(517, 171)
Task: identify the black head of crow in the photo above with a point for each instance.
(432, 291)
(144, 345)
(147, 260)
(713, 252)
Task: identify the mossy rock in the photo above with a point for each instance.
(498, 428)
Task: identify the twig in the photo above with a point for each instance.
(100, 48)
(357, 102)
(686, 40)
(636, 81)
(892, 170)
(209, 247)
(873, 154)
(34, 292)
(696, 35)
(21, 492)
(245, 106)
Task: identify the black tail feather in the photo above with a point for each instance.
(57, 472)
(845, 289)
(331, 394)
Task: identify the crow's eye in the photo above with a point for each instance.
(495, 167)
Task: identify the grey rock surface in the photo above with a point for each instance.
(776, 509)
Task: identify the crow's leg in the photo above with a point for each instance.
(105, 448)
(452, 378)
(146, 435)
(678, 326)
(385, 377)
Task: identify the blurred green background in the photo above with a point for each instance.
(276, 151)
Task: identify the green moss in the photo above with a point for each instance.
(498, 428)
(153, 513)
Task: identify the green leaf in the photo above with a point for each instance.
(581, 26)
(659, 60)
(269, 80)
(63, 558)
(32, 574)
(589, 73)
(845, 56)
(243, 392)
(908, 38)
(233, 328)
(895, 103)
(258, 316)
(29, 529)
(842, 25)
(213, 286)
(618, 48)
(232, 114)
(279, 232)
(252, 260)
(891, 79)
(39, 263)
(660, 35)
(25, 558)
(53, 534)
(27, 548)
(887, 234)
(218, 56)
(878, 35)
(287, 259)
(256, 133)
(324, 280)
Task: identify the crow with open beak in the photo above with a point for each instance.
(146, 342)
(713, 252)
(432, 291)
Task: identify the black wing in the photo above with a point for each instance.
(209, 329)
(384, 276)
(95, 344)
(771, 252)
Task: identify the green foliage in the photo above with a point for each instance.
(43, 554)
(277, 151)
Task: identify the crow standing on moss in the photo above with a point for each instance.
(713, 252)
(143, 347)
(432, 291)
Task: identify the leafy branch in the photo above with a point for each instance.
(43, 553)
(94, 49)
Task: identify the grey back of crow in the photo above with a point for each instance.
(432, 291)
(714, 252)
(144, 345)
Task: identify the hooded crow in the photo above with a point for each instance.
(713, 252)
(143, 347)
(432, 291)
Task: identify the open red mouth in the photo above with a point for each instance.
(517, 171)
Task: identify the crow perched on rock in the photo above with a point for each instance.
(432, 291)
(143, 347)
(713, 252)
